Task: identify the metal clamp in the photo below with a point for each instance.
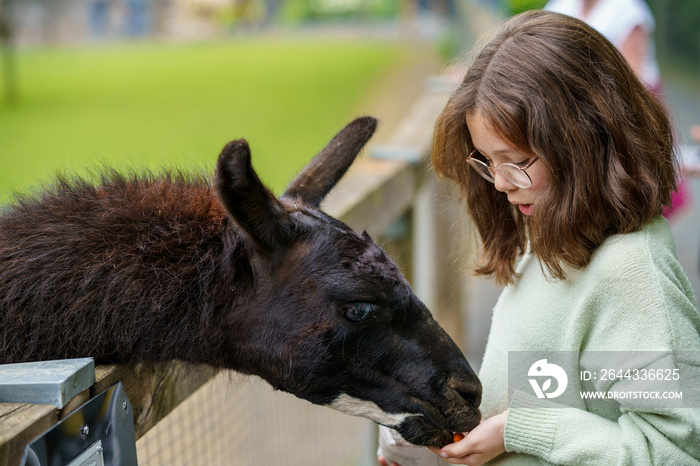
(100, 432)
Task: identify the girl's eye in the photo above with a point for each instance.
(483, 158)
(359, 312)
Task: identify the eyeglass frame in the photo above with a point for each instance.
(510, 164)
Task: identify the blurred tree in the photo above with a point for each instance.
(9, 71)
(678, 31)
(513, 7)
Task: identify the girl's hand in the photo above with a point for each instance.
(480, 445)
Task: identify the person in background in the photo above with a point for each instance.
(565, 161)
(629, 25)
(695, 133)
(692, 166)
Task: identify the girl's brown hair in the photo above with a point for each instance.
(554, 87)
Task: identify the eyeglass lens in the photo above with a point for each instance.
(510, 172)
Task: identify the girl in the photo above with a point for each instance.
(566, 161)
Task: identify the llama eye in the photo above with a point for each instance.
(358, 312)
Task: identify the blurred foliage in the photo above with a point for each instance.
(448, 45)
(240, 13)
(513, 7)
(678, 32)
(296, 11)
(152, 105)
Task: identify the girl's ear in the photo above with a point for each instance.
(326, 169)
(248, 201)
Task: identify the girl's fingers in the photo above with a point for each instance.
(469, 459)
(457, 450)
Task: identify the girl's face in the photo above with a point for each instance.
(497, 150)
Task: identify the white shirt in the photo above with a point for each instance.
(616, 19)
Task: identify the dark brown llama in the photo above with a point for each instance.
(155, 268)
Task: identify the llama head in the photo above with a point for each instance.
(332, 320)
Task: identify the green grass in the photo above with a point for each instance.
(158, 105)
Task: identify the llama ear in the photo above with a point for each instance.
(248, 201)
(326, 169)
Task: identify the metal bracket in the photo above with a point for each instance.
(100, 432)
(46, 382)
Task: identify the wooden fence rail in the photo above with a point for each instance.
(384, 185)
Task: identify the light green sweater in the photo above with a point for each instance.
(633, 296)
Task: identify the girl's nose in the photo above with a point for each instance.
(501, 182)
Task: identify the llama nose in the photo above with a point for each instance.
(470, 393)
(465, 414)
(465, 382)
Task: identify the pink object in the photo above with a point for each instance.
(679, 199)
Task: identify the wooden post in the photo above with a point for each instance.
(9, 67)
(20, 423)
(425, 245)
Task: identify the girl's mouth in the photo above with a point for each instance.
(525, 208)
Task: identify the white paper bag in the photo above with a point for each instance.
(395, 448)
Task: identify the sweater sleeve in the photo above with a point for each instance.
(638, 300)
(564, 435)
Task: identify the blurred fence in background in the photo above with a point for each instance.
(241, 421)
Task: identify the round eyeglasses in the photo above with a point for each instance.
(514, 173)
